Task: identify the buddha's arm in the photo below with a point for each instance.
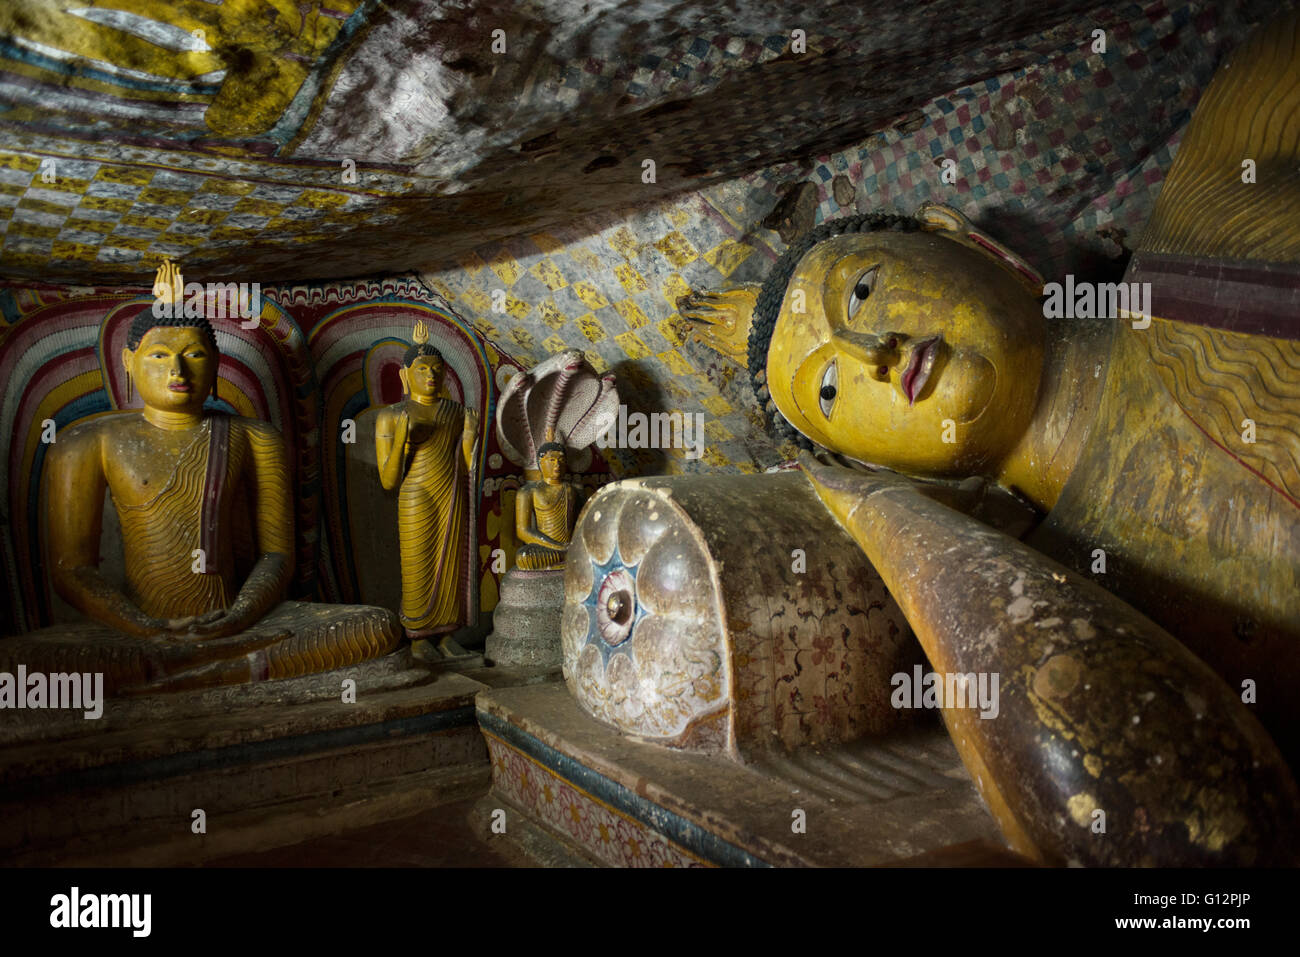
(574, 497)
(74, 490)
(269, 500)
(526, 525)
(391, 432)
(469, 439)
(1099, 710)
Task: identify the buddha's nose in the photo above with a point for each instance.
(877, 350)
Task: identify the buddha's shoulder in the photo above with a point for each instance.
(93, 430)
(254, 429)
(103, 438)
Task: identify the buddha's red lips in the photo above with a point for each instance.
(181, 387)
(919, 367)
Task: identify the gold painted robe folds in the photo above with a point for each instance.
(431, 520)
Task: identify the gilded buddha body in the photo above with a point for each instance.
(425, 447)
(1162, 449)
(545, 512)
(207, 534)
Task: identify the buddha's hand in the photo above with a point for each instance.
(175, 629)
(1098, 709)
(471, 426)
(188, 623)
(721, 320)
(220, 623)
(844, 490)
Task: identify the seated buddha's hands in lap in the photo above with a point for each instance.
(219, 623)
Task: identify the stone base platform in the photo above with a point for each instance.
(578, 793)
(269, 764)
(526, 622)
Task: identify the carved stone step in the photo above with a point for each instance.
(133, 779)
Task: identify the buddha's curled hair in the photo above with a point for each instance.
(423, 349)
(146, 320)
(768, 306)
(548, 448)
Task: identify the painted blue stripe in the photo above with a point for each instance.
(9, 307)
(299, 108)
(76, 68)
(691, 836)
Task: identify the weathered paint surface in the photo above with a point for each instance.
(757, 622)
(1101, 710)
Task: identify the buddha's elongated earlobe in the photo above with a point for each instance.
(406, 381)
(127, 356)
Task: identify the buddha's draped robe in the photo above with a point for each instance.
(209, 501)
(432, 508)
(555, 522)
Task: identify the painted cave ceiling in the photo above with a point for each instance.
(224, 134)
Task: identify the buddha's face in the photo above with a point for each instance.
(173, 368)
(911, 351)
(551, 465)
(424, 376)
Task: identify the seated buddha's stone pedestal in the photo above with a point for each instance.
(577, 792)
(295, 639)
(526, 623)
(269, 764)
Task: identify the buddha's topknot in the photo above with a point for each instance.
(420, 346)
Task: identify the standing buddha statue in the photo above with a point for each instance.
(425, 448)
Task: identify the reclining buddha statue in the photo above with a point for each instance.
(203, 499)
(1147, 630)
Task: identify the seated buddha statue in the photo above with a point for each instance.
(207, 533)
(547, 419)
(1147, 630)
(545, 512)
(425, 448)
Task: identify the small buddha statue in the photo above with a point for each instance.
(425, 446)
(547, 420)
(207, 532)
(1160, 450)
(545, 512)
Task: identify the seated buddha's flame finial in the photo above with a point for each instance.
(168, 286)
